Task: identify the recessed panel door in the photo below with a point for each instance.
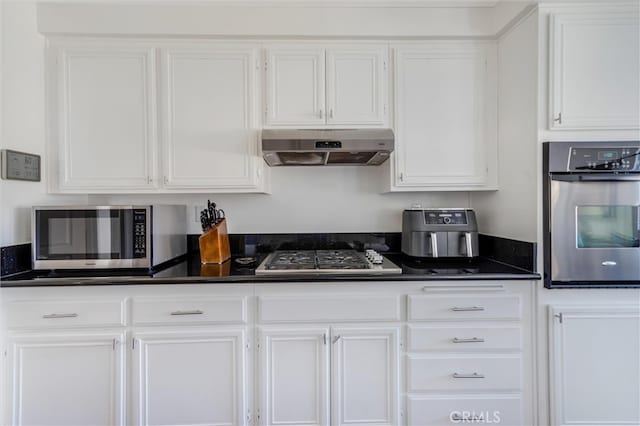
(364, 376)
(67, 379)
(190, 378)
(295, 376)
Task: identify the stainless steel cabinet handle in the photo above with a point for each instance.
(195, 312)
(336, 338)
(331, 113)
(459, 418)
(467, 308)
(52, 316)
(468, 376)
(434, 244)
(321, 114)
(471, 340)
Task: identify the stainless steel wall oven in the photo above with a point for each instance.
(591, 213)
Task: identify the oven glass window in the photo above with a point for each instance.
(608, 227)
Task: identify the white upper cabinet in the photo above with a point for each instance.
(445, 117)
(103, 115)
(109, 101)
(594, 71)
(295, 86)
(356, 86)
(209, 137)
(334, 86)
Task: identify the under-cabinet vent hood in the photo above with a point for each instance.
(357, 147)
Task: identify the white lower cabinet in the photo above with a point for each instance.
(329, 375)
(189, 377)
(468, 357)
(71, 378)
(428, 411)
(294, 370)
(595, 365)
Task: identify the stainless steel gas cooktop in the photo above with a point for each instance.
(326, 262)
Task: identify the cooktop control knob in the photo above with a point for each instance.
(373, 256)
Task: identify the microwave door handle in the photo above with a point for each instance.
(434, 244)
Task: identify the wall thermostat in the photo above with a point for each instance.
(20, 165)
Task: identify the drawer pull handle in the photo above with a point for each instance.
(53, 316)
(458, 418)
(471, 340)
(195, 312)
(468, 376)
(467, 308)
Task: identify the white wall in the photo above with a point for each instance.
(336, 199)
(512, 211)
(23, 121)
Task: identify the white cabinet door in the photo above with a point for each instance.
(356, 86)
(442, 123)
(595, 365)
(594, 71)
(208, 102)
(67, 379)
(190, 378)
(294, 367)
(295, 86)
(365, 368)
(103, 116)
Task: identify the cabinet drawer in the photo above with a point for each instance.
(464, 339)
(326, 309)
(462, 410)
(497, 373)
(65, 313)
(466, 307)
(156, 311)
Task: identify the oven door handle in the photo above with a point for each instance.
(605, 177)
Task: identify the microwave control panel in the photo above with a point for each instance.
(139, 234)
(618, 159)
(445, 217)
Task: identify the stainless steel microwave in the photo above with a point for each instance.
(82, 237)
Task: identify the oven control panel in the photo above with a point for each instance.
(619, 159)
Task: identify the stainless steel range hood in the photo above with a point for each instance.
(356, 147)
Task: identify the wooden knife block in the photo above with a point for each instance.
(214, 244)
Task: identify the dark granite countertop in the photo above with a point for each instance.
(189, 270)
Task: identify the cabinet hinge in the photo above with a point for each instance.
(401, 344)
(258, 415)
(558, 119)
(384, 64)
(559, 316)
(266, 64)
(384, 109)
